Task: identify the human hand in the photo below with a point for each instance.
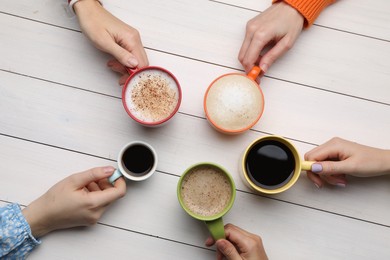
(78, 200)
(279, 26)
(110, 34)
(338, 158)
(239, 244)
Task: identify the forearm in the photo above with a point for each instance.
(16, 240)
(310, 9)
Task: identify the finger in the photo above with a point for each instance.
(125, 57)
(111, 194)
(244, 47)
(280, 48)
(315, 179)
(254, 50)
(104, 184)
(116, 66)
(328, 168)
(93, 186)
(141, 56)
(82, 179)
(230, 228)
(122, 80)
(227, 249)
(329, 150)
(209, 241)
(337, 180)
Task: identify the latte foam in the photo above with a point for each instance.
(234, 102)
(206, 191)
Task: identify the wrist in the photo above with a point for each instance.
(35, 217)
(310, 10)
(386, 161)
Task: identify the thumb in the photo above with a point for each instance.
(82, 179)
(330, 168)
(125, 57)
(227, 249)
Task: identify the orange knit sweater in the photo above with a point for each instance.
(310, 9)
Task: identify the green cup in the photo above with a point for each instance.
(206, 191)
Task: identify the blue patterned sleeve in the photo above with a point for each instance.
(16, 240)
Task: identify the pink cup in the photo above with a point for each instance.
(151, 95)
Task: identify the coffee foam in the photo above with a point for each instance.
(206, 191)
(152, 95)
(234, 102)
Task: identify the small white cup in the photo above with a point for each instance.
(137, 161)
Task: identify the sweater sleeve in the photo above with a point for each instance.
(16, 240)
(310, 9)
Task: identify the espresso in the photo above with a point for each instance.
(206, 191)
(138, 160)
(234, 102)
(152, 95)
(270, 164)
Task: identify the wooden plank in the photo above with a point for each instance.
(165, 225)
(322, 58)
(287, 104)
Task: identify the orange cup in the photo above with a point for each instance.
(234, 102)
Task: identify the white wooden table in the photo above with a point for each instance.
(61, 112)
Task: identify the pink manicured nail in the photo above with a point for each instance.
(340, 184)
(109, 169)
(316, 168)
(264, 67)
(132, 63)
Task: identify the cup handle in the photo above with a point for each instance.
(116, 175)
(131, 71)
(254, 73)
(306, 165)
(216, 228)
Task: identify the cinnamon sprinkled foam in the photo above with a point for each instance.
(152, 95)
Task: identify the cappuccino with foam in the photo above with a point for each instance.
(152, 95)
(234, 102)
(206, 191)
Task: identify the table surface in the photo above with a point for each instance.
(61, 112)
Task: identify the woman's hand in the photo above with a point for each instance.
(239, 244)
(78, 200)
(269, 35)
(111, 35)
(338, 158)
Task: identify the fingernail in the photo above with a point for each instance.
(264, 67)
(132, 62)
(109, 169)
(316, 168)
(340, 184)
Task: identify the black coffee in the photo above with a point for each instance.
(138, 159)
(270, 164)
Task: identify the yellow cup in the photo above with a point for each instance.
(271, 164)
